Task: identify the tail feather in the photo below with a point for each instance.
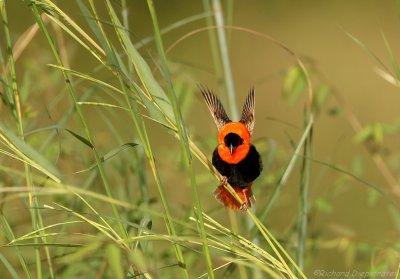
(229, 201)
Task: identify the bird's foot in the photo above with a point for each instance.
(249, 199)
(224, 180)
(245, 205)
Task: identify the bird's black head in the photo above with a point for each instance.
(232, 141)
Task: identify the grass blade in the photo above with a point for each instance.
(182, 136)
(72, 92)
(223, 47)
(160, 99)
(304, 196)
(27, 154)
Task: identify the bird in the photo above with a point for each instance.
(235, 158)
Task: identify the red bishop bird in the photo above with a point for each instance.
(236, 159)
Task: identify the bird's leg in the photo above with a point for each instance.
(247, 202)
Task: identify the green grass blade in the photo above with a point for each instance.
(80, 138)
(226, 64)
(28, 154)
(144, 73)
(279, 246)
(270, 243)
(36, 217)
(215, 54)
(109, 155)
(182, 135)
(87, 77)
(9, 234)
(367, 50)
(304, 206)
(73, 95)
(47, 4)
(374, 187)
(11, 270)
(114, 256)
(152, 88)
(288, 170)
(392, 57)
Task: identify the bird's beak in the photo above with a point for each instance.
(231, 148)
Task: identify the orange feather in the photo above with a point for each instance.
(229, 201)
(241, 151)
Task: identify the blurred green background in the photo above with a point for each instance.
(355, 134)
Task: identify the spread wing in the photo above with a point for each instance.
(248, 113)
(215, 107)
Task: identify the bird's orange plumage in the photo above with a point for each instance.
(236, 159)
(229, 201)
(241, 151)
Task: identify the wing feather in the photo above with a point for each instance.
(215, 107)
(248, 113)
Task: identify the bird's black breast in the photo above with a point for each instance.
(242, 173)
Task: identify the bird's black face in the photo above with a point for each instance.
(232, 141)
